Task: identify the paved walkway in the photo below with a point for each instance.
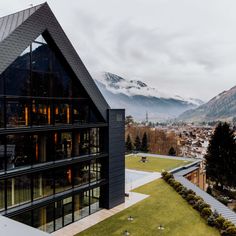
(87, 222)
(215, 204)
(99, 216)
(145, 177)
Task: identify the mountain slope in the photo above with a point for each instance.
(221, 107)
(138, 98)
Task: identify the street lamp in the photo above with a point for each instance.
(126, 233)
(161, 227)
(130, 218)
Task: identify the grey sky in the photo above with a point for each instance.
(185, 47)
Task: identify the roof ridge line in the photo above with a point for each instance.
(24, 10)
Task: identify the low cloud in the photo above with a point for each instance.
(184, 47)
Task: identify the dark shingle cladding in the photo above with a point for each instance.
(10, 22)
(18, 30)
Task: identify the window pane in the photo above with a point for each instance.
(24, 218)
(2, 195)
(81, 205)
(84, 142)
(19, 151)
(42, 148)
(76, 144)
(63, 179)
(58, 215)
(63, 145)
(94, 200)
(18, 190)
(94, 141)
(81, 112)
(17, 113)
(1, 113)
(43, 218)
(17, 75)
(2, 153)
(41, 55)
(40, 84)
(62, 114)
(81, 174)
(67, 208)
(43, 185)
(93, 171)
(41, 113)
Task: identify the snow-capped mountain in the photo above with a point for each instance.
(221, 107)
(138, 98)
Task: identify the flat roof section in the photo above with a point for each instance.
(12, 228)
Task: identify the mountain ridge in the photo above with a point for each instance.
(130, 94)
(220, 107)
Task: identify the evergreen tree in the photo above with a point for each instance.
(144, 146)
(221, 157)
(172, 152)
(128, 144)
(137, 143)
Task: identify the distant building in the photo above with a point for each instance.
(61, 146)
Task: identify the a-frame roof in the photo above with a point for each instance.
(10, 22)
(18, 30)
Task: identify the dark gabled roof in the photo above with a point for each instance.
(10, 22)
(18, 30)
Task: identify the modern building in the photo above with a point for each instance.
(61, 146)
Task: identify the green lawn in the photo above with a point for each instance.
(164, 206)
(153, 163)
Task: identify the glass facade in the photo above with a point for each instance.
(62, 212)
(48, 152)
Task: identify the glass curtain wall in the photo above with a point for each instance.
(62, 212)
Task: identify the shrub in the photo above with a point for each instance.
(209, 190)
(168, 176)
(220, 222)
(190, 191)
(230, 231)
(164, 173)
(179, 189)
(184, 192)
(206, 212)
(216, 214)
(190, 197)
(176, 185)
(227, 224)
(211, 220)
(203, 205)
(191, 202)
(197, 198)
(170, 181)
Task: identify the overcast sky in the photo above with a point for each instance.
(184, 47)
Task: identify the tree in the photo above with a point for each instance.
(172, 152)
(137, 143)
(128, 144)
(221, 157)
(129, 120)
(144, 146)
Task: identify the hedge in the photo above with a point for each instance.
(213, 219)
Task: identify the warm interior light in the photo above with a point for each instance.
(37, 151)
(26, 116)
(49, 115)
(56, 111)
(69, 175)
(68, 115)
(55, 138)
